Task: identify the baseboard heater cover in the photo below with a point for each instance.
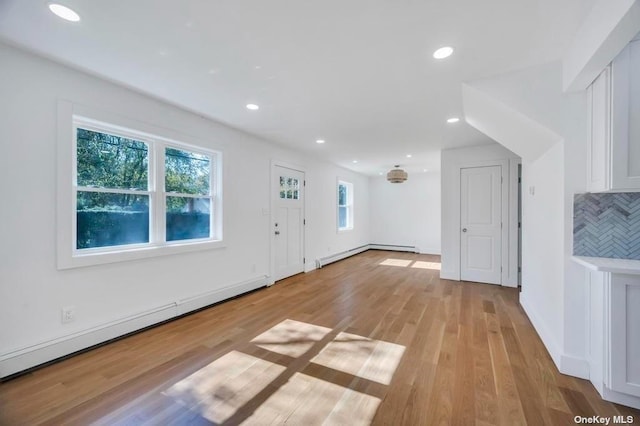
(25, 358)
(393, 247)
(323, 261)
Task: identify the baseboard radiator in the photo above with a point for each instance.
(393, 247)
(323, 261)
(25, 358)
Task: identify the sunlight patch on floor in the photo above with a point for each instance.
(367, 358)
(219, 389)
(249, 390)
(426, 265)
(306, 400)
(292, 338)
(396, 262)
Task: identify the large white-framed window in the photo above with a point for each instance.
(129, 194)
(345, 206)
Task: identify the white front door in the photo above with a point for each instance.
(288, 222)
(481, 224)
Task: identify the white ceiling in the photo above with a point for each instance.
(357, 73)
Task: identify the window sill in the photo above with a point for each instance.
(101, 258)
(341, 230)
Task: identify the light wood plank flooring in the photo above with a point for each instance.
(377, 338)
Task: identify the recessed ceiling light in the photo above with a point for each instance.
(453, 120)
(355, 161)
(253, 107)
(64, 12)
(380, 173)
(425, 170)
(320, 141)
(443, 52)
(409, 155)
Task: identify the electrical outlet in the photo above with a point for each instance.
(68, 314)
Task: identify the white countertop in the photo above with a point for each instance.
(619, 266)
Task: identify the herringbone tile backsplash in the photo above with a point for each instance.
(607, 225)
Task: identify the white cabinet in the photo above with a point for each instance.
(614, 125)
(596, 327)
(613, 325)
(599, 133)
(624, 329)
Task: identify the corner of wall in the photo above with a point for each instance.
(545, 334)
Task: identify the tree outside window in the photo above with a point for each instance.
(345, 206)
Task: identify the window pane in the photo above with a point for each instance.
(188, 218)
(105, 220)
(342, 195)
(108, 161)
(283, 189)
(186, 172)
(342, 217)
(296, 187)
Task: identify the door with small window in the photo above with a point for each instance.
(288, 222)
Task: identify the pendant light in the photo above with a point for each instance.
(397, 175)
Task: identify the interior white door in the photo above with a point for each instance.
(481, 224)
(288, 222)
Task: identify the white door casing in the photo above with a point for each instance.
(287, 225)
(481, 224)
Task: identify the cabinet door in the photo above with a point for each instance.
(625, 116)
(597, 281)
(625, 334)
(599, 133)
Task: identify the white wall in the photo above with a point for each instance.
(406, 214)
(33, 291)
(451, 162)
(542, 248)
(553, 288)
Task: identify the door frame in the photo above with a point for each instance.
(499, 261)
(272, 215)
(505, 279)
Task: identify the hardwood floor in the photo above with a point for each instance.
(377, 338)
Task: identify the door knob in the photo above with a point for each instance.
(277, 232)
(464, 229)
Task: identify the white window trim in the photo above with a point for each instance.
(67, 255)
(349, 205)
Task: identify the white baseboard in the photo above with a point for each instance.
(31, 356)
(393, 247)
(621, 398)
(449, 275)
(567, 364)
(435, 251)
(200, 301)
(324, 261)
(543, 332)
(574, 366)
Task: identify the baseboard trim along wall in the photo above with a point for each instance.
(31, 356)
(621, 398)
(567, 364)
(545, 336)
(574, 366)
(324, 261)
(393, 247)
